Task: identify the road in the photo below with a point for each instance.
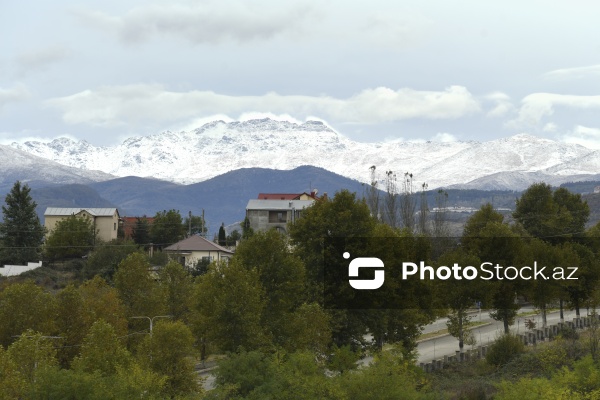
(486, 334)
(447, 345)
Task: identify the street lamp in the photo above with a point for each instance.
(152, 319)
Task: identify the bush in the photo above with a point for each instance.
(505, 348)
(567, 332)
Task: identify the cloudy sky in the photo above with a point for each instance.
(378, 70)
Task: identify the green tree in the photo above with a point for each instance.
(197, 225)
(247, 230)
(31, 352)
(102, 301)
(404, 306)
(308, 328)
(222, 235)
(389, 376)
(572, 254)
(229, 304)
(72, 323)
(239, 374)
(126, 383)
(233, 237)
(141, 232)
(573, 212)
(25, 306)
(12, 383)
(486, 236)
(460, 295)
(106, 257)
(102, 351)
(178, 287)
(167, 352)
(254, 375)
(167, 228)
(21, 233)
(342, 216)
(281, 276)
(542, 292)
(72, 237)
(551, 216)
(141, 294)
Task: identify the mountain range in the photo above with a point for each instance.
(220, 166)
(219, 147)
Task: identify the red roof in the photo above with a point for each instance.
(130, 222)
(285, 196)
(278, 196)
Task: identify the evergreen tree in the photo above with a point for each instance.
(222, 235)
(21, 233)
(141, 232)
(247, 230)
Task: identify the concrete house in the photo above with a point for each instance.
(105, 220)
(268, 214)
(196, 248)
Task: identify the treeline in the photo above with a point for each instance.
(133, 332)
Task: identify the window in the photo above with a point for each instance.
(277, 216)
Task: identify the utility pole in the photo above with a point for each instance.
(190, 224)
(152, 320)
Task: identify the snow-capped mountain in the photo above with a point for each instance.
(219, 147)
(37, 171)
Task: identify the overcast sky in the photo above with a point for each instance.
(373, 70)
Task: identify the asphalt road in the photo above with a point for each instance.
(436, 348)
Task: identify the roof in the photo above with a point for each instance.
(96, 212)
(134, 219)
(284, 196)
(279, 196)
(197, 243)
(278, 204)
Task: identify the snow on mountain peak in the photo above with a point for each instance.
(218, 147)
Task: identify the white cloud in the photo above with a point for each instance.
(40, 59)
(502, 107)
(8, 138)
(201, 22)
(397, 30)
(444, 137)
(585, 136)
(574, 73)
(550, 127)
(17, 93)
(196, 123)
(536, 106)
(133, 104)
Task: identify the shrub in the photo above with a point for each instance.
(505, 348)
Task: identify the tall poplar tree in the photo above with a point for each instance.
(21, 232)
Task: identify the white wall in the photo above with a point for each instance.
(13, 270)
